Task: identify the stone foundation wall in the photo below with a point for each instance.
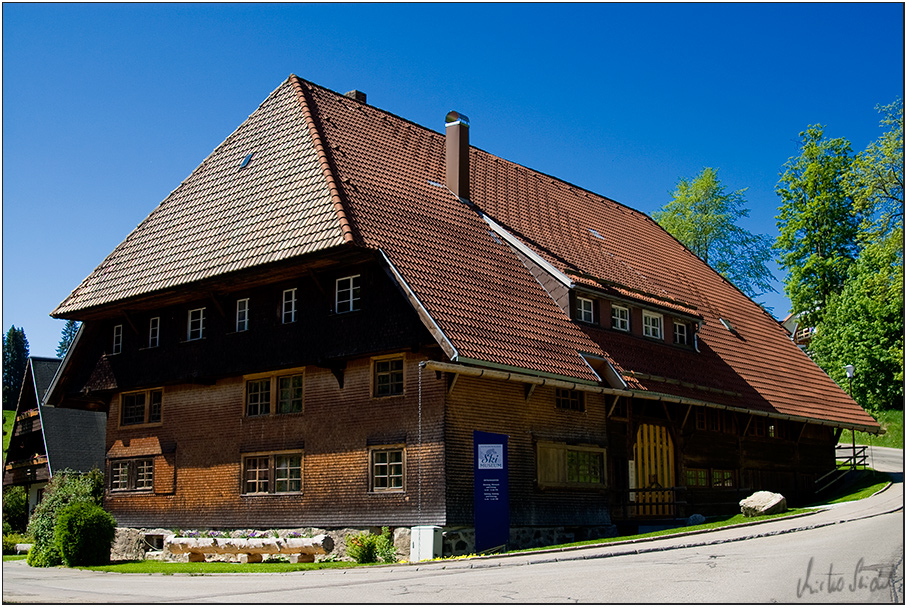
(131, 544)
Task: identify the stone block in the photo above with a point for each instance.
(762, 503)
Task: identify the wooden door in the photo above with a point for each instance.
(653, 456)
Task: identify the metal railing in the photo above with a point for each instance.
(847, 458)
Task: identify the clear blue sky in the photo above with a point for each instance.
(107, 107)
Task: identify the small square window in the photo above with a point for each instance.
(138, 408)
(389, 377)
(586, 467)
(680, 333)
(347, 294)
(287, 473)
(387, 469)
(290, 394)
(117, 339)
(242, 315)
(697, 477)
(289, 306)
(569, 399)
(154, 332)
(723, 478)
(258, 397)
(257, 474)
(651, 325)
(196, 324)
(132, 474)
(584, 310)
(620, 318)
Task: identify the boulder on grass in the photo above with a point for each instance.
(762, 503)
(695, 519)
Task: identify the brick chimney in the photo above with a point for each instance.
(457, 136)
(357, 95)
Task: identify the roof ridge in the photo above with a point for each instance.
(321, 150)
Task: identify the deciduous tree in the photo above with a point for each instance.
(704, 216)
(863, 326)
(818, 228)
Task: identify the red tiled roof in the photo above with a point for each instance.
(332, 170)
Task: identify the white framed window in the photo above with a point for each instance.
(289, 306)
(652, 325)
(584, 310)
(347, 294)
(117, 339)
(154, 332)
(387, 465)
(620, 318)
(269, 473)
(680, 333)
(195, 327)
(242, 315)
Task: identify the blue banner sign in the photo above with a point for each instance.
(492, 500)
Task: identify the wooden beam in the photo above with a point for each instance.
(613, 405)
(129, 322)
(530, 389)
(217, 306)
(749, 420)
(317, 282)
(685, 417)
(802, 430)
(452, 381)
(664, 406)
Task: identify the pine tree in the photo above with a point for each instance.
(15, 359)
(68, 334)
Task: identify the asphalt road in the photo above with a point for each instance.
(853, 552)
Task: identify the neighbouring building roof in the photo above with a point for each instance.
(329, 171)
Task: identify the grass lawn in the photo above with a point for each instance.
(8, 418)
(893, 423)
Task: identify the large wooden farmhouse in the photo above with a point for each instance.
(311, 327)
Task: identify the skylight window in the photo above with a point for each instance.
(246, 160)
(727, 324)
(596, 234)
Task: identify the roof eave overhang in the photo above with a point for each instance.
(492, 372)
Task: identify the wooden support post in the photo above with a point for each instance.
(451, 381)
(685, 417)
(802, 430)
(129, 322)
(613, 406)
(749, 420)
(530, 389)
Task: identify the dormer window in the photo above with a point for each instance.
(620, 318)
(584, 310)
(680, 333)
(652, 325)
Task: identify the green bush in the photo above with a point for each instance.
(83, 534)
(66, 487)
(15, 507)
(11, 539)
(369, 548)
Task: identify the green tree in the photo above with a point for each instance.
(15, 359)
(863, 326)
(818, 228)
(876, 177)
(704, 216)
(68, 334)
